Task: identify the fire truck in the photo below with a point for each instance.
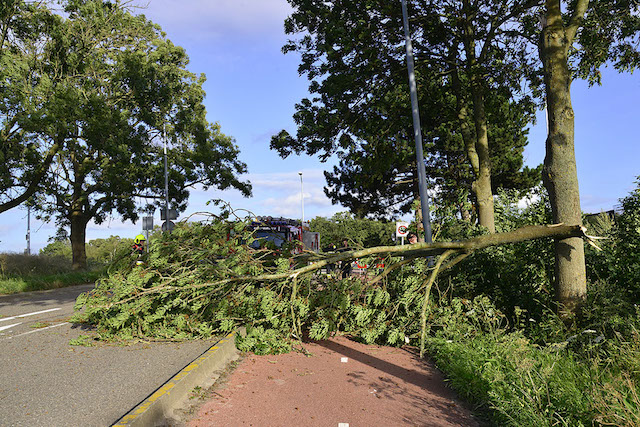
(281, 231)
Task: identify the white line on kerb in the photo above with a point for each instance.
(2, 328)
(30, 314)
(35, 330)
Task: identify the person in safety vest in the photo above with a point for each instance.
(138, 247)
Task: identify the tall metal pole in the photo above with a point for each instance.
(301, 198)
(28, 230)
(166, 179)
(424, 197)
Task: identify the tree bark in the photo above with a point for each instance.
(467, 138)
(482, 184)
(463, 247)
(419, 223)
(34, 182)
(78, 238)
(559, 171)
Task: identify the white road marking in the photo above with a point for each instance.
(2, 328)
(35, 330)
(29, 314)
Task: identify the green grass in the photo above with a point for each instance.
(26, 273)
(516, 383)
(40, 282)
(513, 382)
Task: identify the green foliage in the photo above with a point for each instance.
(57, 248)
(518, 383)
(40, 282)
(25, 273)
(81, 340)
(517, 277)
(352, 55)
(18, 265)
(490, 325)
(359, 232)
(91, 91)
(99, 251)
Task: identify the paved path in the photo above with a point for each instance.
(47, 382)
(342, 384)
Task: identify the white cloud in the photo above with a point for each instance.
(213, 19)
(527, 201)
(316, 203)
(287, 180)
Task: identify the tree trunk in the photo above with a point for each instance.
(467, 138)
(419, 223)
(78, 237)
(559, 172)
(483, 179)
(483, 183)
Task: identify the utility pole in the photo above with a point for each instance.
(422, 180)
(166, 177)
(301, 199)
(28, 251)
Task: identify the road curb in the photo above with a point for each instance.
(157, 406)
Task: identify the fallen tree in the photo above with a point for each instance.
(200, 282)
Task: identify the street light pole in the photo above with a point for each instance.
(301, 199)
(166, 178)
(28, 230)
(424, 197)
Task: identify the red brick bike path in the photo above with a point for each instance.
(341, 383)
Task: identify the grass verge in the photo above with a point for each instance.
(513, 382)
(40, 282)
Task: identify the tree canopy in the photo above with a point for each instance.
(27, 92)
(358, 232)
(106, 90)
(353, 54)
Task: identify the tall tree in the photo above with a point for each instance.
(25, 157)
(123, 84)
(354, 58)
(604, 31)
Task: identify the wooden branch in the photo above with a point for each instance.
(576, 21)
(558, 231)
(410, 252)
(34, 183)
(423, 315)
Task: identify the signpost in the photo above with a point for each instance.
(147, 225)
(402, 229)
(168, 225)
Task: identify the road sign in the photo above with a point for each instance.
(147, 223)
(168, 225)
(402, 229)
(173, 214)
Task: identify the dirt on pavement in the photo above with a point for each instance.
(341, 383)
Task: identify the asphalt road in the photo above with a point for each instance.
(47, 382)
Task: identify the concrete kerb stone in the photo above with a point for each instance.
(158, 406)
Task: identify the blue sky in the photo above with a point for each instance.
(252, 89)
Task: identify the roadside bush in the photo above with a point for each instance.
(491, 323)
(361, 232)
(19, 265)
(99, 252)
(518, 278)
